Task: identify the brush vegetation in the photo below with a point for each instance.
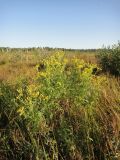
(55, 106)
(109, 59)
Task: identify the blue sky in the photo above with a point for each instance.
(59, 23)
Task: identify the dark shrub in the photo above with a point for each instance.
(41, 67)
(109, 60)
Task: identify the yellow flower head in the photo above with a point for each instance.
(21, 111)
(43, 74)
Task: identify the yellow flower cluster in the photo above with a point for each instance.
(21, 111)
(43, 97)
(20, 91)
(101, 80)
(32, 90)
(42, 74)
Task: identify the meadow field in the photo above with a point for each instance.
(59, 104)
(18, 63)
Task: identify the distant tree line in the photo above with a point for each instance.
(8, 49)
